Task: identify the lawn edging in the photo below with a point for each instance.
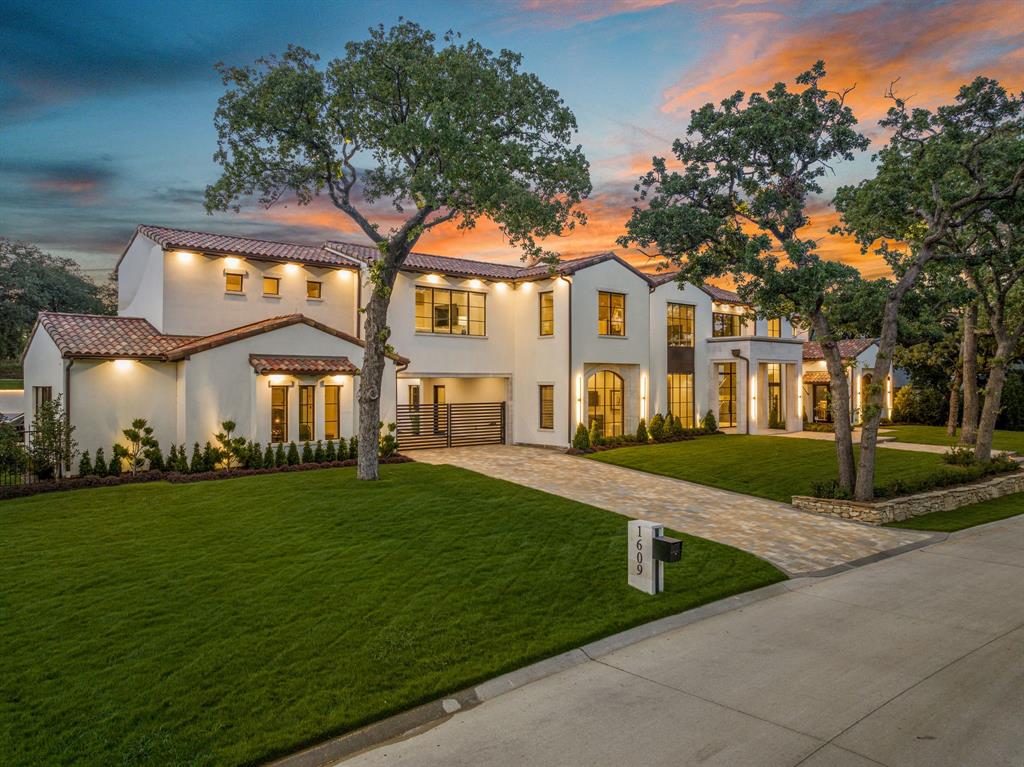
(916, 505)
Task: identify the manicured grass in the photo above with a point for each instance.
(966, 516)
(229, 622)
(936, 435)
(10, 383)
(769, 467)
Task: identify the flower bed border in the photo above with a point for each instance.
(81, 483)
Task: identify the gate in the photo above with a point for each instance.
(453, 424)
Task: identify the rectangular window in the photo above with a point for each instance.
(775, 327)
(452, 312)
(306, 420)
(546, 394)
(233, 282)
(725, 324)
(726, 393)
(278, 413)
(40, 395)
(679, 319)
(776, 406)
(414, 395)
(680, 397)
(314, 289)
(332, 412)
(611, 314)
(271, 286)
(547, 313)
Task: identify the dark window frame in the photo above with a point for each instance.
(606, 402)
(546, 406)
(276, 281)
(776, 323)
(688, 314)
(434, 305)
(719, 326)
(606, 302)
(319, 290)
(335, 422)
(726, 373)
(307, 420)
(685, 414)
(284, 410)
(546, 325)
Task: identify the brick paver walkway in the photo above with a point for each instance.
(798, 542)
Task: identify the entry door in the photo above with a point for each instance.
(440, 411)
(819, 396)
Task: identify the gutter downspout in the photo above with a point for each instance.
(67, 406)
(746, 377)
(572, 380)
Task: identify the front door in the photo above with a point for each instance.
(440, 411)
(821, 401)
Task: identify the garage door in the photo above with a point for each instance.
(452, 424)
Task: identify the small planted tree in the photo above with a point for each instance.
(53, 444)
(657, 428)
(709, 422)
(232, 449)
(595, 434)
(116, 465)
(140, 441)
(280, 459)
(268, 457)
(307, 452)
(581, 440)
(99, 466)
(330, 452)
(13, 458)
(293, 454)
(196, 464)
(318, 452)
(211, 457)
(353, 447)
(388, 440)
(641, 432)
(253, 456)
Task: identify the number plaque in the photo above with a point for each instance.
(644, 572)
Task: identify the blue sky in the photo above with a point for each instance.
(106, 107)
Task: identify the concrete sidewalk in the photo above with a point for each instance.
(913, 660)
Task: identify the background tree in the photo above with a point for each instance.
(32, 281)
(739, 204)
(141, 443)
(939, 171)
(53, 445)
(451, 133)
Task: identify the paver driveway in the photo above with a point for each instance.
(798, 542)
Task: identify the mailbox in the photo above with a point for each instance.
(667, 549)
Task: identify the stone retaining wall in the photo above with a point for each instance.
(897, 509)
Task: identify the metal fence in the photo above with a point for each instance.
(454, 424)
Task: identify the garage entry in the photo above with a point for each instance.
(450, 424)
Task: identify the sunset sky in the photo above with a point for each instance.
(106, 108)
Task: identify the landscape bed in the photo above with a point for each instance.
(231, 622)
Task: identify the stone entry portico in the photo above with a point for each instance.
(798, 542)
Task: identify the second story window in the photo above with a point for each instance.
(271, 286)
(679, 321)
(611, 314)
(454, 312)
(314, 289)
(723, 324)
(547, 313)
(775, 327)
(233, 282)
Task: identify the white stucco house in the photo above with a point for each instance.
(858, 356)
(267, 334)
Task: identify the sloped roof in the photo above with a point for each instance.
(848, 348)
(817, 377)
(93, 335)
(246, 247)
(717, 294)
(104, 337)
(301, 365)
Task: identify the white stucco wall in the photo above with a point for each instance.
(662, 296)
(140, 282)
(42, 366)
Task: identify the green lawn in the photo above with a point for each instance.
(966, 516)
(936, 435)
(10, 383)
(229, 622)
(769, 467)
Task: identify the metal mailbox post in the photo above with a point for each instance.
(647, 552)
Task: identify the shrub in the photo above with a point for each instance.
(115, 466)
(917, 404)
(196, 465)
(829, 488)
(155, 458)
(181, 463)
(353, 448)
(677, 427)
(99, 466)
(318, 452)
(581, 440)
(232, 449)
(388, 442)
(85, 465)
(53, 447)
(330, 453)
(657, 427)
(279, 456)
(211, 457)
(709, 422)
(140, 445)
(641, 432)
(959, 455)
(13, 458)
(595, 435)
(293, 454)
(307, 452)
(254, 456)
(945, 477)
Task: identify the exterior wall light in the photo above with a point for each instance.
(579, 399)
(184, 256)
(643, 396)
(475, 284)
(345, 274)
(527, 286)
(123, 365)
(276, 380)
(291, 268)
(501, 286)
(433, 278)
(232, 262)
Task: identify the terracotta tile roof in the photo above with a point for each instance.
(723, 295)
(848, 348)
(268, 250)
(816, 377)
(302, 365)
(92, 335)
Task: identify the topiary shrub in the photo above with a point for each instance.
(196, 464)
(581, 440)
(99, 466)
(318, 452)
(595, 435)
(677, 430)
(85, 465)
(155, 458)
(293, 454)
(114, 467)
(709, 422)
(657, 427)
(353, 448)
(254, 456)
(307, 452)
(641, 432)
(330, 452)
(279, 457)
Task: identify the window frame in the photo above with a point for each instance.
(727, 372)
(40, 396)
(284, 410)
(676, 390)
(335, 422)
(310, 422)
(672, 306)
(774, 328)
(277, 286)
(475, 301)
(241, 283)
(319, 290)
(605, 301)
(549, 423)
(736, 319)
(606, 397)
(546, 327)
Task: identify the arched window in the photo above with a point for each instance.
(604, 402)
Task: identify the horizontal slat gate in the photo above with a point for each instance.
(455, 424)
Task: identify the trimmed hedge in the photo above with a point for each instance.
(80, 483)
(945, 477)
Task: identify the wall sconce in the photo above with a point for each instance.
(345, 274)
(527, 286)
(501, 286)
(475, 284)
(124, 365)
(433, 278)
(184, 256)
(291, 268)
(579, 399)
(643, 396)
(232, 262)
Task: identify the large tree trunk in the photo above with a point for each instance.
(954, 402)
(370, 378)
(839, 387)
(993, 397)
(969, 430)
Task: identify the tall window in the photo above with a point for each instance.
(679, 319)
(278, 413)
(546, 395)
(680, 397)
(271, 286)
(454, 312)
(776, 406)
(547, 313)
(233, 282)
(40, 395)
(414, 395)
(775, 327)
(726, 393)
(306, 394)
(611, 314)
(604, 402)
(332, 412)
(724, 324)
